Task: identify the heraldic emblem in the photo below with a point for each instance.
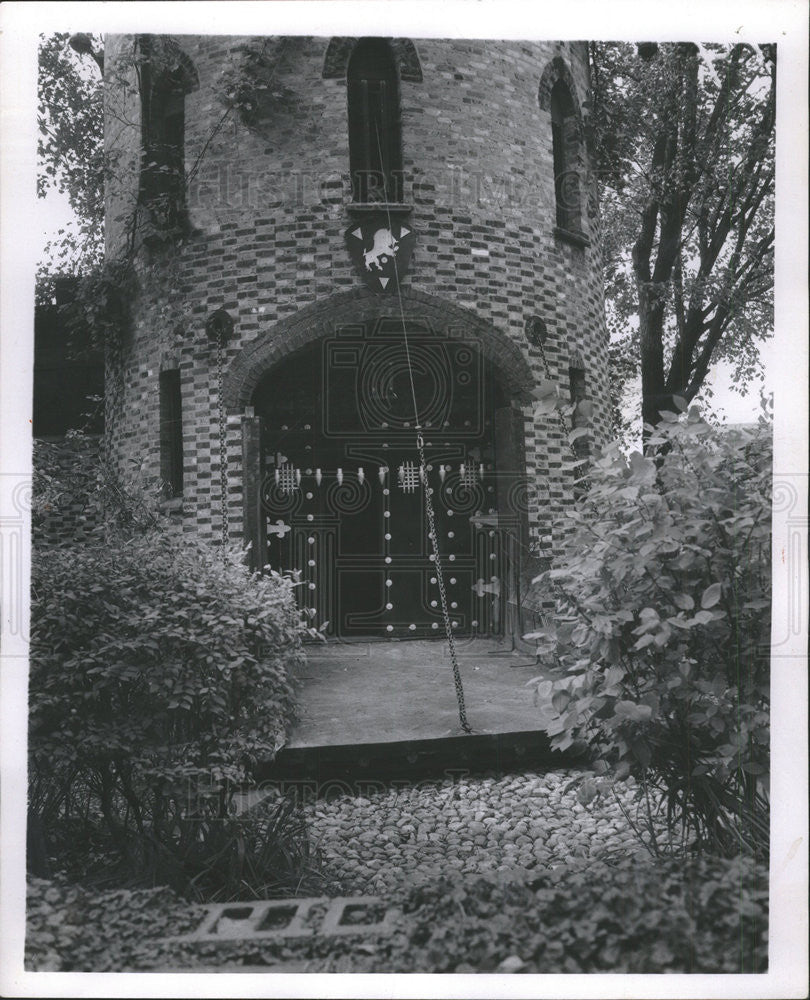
(381, 247)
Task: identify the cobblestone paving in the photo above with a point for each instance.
(401, 836)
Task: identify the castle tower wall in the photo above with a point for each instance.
(261, 235)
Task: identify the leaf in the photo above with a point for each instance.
(561, 700)
(641, 467)
(545, 389)
(543, 688)
(683, 601)
(546, 405)
(622, 770)
(642, 752)
(633, 712)
(613, 675)
(587, 792)
(711, 595)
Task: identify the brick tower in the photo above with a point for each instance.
(336, 244)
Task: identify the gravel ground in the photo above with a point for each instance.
(395, 839)
(403, 836)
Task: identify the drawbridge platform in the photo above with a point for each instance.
(386, 710)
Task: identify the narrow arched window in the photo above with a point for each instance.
(171, 433)
(375, 147)
(565, 143)
(164, 82)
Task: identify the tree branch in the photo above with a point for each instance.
(701, 368)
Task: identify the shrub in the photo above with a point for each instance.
(662, 629)
(78, 496)
(708, 915)
(258, 856)
(69, 929)
(159, 673)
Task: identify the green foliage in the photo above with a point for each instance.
(251, 84)
(69, 929)
(97, 313)
(264, 854)
(72, 477)
(158, 676)
(71, 146)
(709, 915)
(684, 146)
(662, 631)
(73, 160)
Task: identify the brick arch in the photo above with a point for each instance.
(557, 70)
(322, 318)
(338, 51)
(175, 64)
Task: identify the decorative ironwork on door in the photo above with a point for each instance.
(343, 494)
(386, 587)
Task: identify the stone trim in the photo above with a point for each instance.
(556, 70)
(577, 239)
(339, 50)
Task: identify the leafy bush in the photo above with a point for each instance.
(70, 929)
(662, 629)
(159, 673)
(76, 490)
(708, 915)
(264, 854)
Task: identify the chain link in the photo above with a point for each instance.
(223, 470)
(448, 627)
(420, 444)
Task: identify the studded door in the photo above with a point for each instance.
(343, 493)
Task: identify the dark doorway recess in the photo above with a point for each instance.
(341, 490)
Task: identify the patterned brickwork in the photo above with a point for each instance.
(68, 515)
(268, 206)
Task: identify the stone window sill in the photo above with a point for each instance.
(366, 207)
(567, 236)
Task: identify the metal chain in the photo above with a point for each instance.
(420, 444)
(223, 472)
(448, 628)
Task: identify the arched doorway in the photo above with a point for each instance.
(341, 495)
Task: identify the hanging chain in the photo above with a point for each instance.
(223, 471)
(420, 445)
(448, 627)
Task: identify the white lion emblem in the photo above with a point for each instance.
(385, 246)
